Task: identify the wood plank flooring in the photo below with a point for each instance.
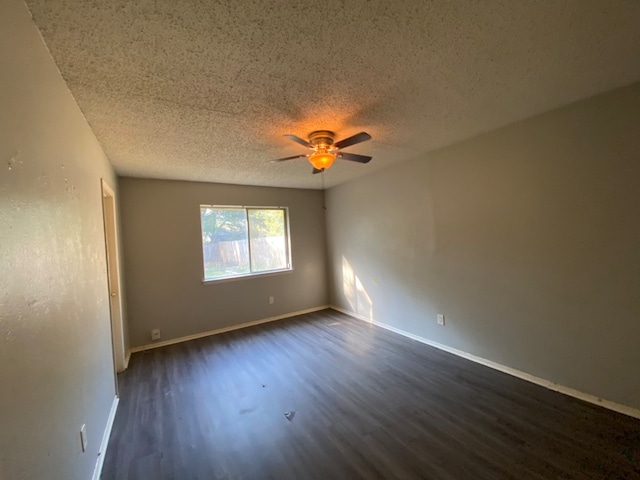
(363, 403)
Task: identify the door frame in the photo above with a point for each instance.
(109, 215)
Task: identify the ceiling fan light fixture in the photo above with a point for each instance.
(324, 151)
(322, 159)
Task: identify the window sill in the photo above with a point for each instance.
(247, 276)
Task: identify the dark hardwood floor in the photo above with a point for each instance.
(363, 403)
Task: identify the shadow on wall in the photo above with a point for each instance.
(354, 292)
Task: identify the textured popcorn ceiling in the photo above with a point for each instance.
(204, 90)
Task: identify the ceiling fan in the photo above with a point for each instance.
(324, 151)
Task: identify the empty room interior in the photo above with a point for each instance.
(351, 239)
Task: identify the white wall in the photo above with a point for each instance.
(163, 259)
(526, 238)
(56, 370)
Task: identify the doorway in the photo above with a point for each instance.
(113, 275)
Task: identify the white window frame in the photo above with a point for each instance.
(246, 209)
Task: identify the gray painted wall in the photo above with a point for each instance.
(163, 259)
(526, 238)
(56, 369)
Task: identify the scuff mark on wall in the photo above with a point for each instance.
(13, 159)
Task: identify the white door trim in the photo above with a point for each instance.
(109, 212)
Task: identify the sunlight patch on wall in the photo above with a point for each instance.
(354, 291)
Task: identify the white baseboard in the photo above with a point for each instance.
(126, 359)
(587, 397)
(225, 329)
(105, 440)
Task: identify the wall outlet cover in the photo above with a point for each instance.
(440, 319)
(155, 334)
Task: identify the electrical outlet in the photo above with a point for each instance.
(83, 437)
(155, 334)
(272, 300)
(440, 319)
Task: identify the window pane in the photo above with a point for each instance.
(268, 240)
(224, 242)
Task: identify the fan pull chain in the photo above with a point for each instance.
(324, 196)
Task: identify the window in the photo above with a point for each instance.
(242, 241)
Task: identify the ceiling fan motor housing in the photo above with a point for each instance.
(321, 137)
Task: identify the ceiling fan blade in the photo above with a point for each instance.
(287, 158)
(315, 170)
(296, 139)
(357, 138)
(354, 157)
